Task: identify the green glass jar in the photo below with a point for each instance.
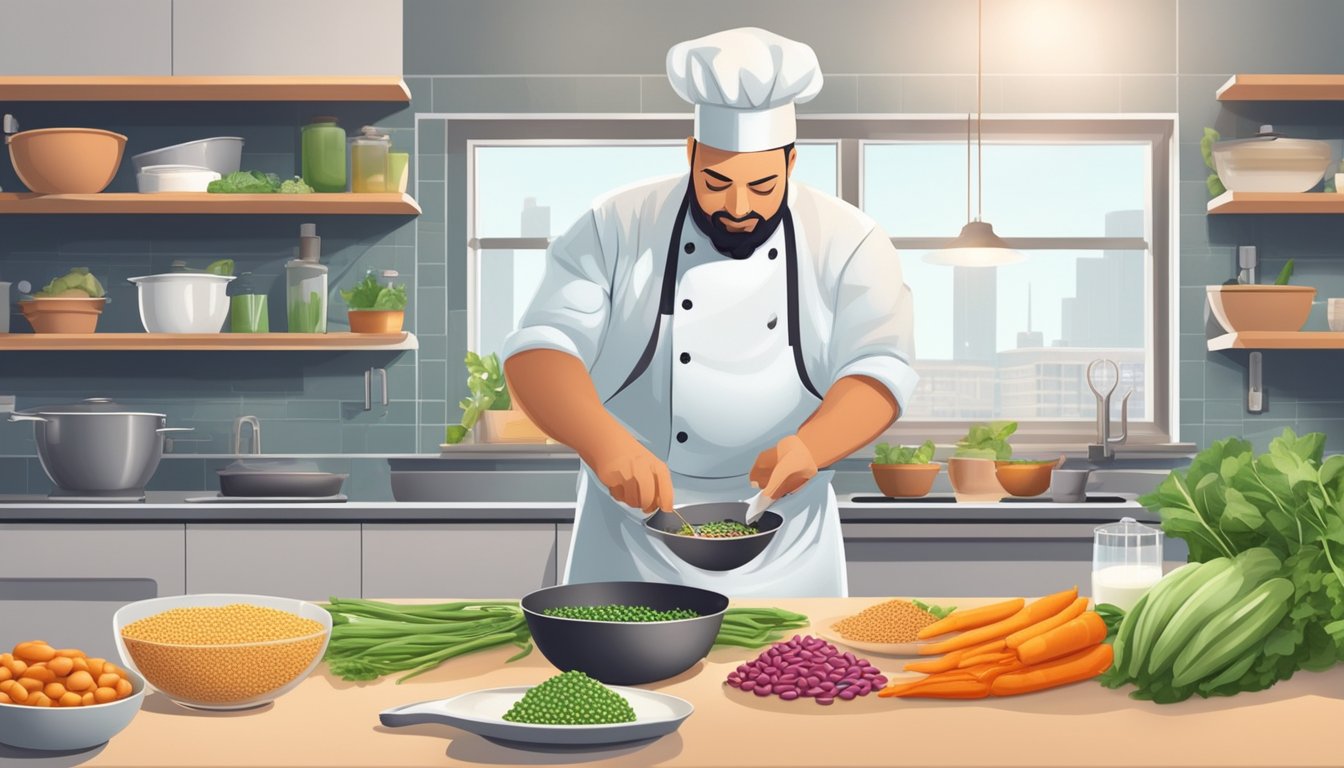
(323, 155)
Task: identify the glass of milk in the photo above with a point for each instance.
(1126, 562)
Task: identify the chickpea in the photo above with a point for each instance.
(18, 667)
(81, 665)
(34, 650)
(4, 699)
(39, 699)
(61, 666)
(104, 695)
(86, 699)
(54, 691)
(30, 684)
(110, 668)
(96, 667)
(69, 653)
(5, 674)
(18, 693)
(108, 680)
(68, 699)
(80, 681)
(124, 688)
(39, 671)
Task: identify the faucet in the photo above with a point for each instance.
(1247, 261)
(238, 434)
(1104, 448)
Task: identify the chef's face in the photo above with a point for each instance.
(739, 190)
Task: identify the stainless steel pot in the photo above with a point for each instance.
(98, 447)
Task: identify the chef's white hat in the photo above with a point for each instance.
(744, 83)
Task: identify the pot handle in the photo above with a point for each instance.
(175, 429)
(26, 417)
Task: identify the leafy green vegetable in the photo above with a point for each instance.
(1289, 500)
(489, 391)
(936, 611)
(223, 267)
(987, 441)
(900, 454)
(294, 186)
(1214, 184)
(77, 279)
(1286, 273)
(1112, 615)
(370, 294)
(246, 183)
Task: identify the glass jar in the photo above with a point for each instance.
(368, 160)
(1126, 562)
(322, 153)
(306, 296)
(248, 311)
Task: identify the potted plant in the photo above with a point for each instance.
(374, 307)
(1026, 477)
(972, 468)
(1251, 307)
(903, 472)
(69, 304)
(490, 405)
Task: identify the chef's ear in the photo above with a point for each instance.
(793, 155)
(690, 151)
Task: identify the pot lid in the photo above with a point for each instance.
(90, 405)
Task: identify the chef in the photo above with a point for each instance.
(699, 337)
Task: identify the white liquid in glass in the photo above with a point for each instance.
(1123, 585)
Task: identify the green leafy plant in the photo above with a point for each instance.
(1206, 143)
(371, 294)
(987, 441)
(900, 454)
(245, 183)
(936, 611)
(488, 391)
(294, 186)
(77, 279)
(1285, 274)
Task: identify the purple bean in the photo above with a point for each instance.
(836, 677)
(815, 692)
(864, 689)
(788, 678)
(879, 681)
(836, 663)
(854, 671)
(813, 681)
(826, 685)
(747, 685)
(781, 688)
(788, 695)
(825, 701)
(863, 663)
(762, 690)
(848, 694)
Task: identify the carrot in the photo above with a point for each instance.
(1076, 635)
(1033, 613)
(951, 660)
(1040, 628)
(959, 621)
(1083, 665)
(986, 658)
(953, 689)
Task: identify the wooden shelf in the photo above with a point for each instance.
(219, 342)
(1277, 340)
(351, 203)
(1282, 88)
(1277, 202)
(192, 88)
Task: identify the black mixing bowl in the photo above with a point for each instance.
(713, 554)
(619, 653)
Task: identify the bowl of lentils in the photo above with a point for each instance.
(624, 632)
(714, 536)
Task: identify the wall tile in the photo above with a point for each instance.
(1246, 36)
(1060, 93)
(537, 94)
(1149, 93)
(879, 94)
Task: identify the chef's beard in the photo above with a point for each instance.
(736, 245)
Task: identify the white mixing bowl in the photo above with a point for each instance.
(183, 302)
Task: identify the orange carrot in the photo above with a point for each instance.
(1059, 619)
(952, 689)
(961, 620)
(1083, 665)
(1076, 635)
(986, 658)
(1033, 613)
(951, 660)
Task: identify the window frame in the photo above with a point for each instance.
(851, 133)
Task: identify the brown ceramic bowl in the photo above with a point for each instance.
(63, 314)
(974, 480)
(53, 161)
(1261, 307)
(1023, 478)
(905, 480)
(376, 320)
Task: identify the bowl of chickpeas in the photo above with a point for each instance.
(222, 651)
(60, 699)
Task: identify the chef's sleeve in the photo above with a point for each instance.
(569, 312)
(873, 334)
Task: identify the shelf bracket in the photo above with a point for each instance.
(1255, 387)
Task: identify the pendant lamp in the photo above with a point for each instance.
(977, 245)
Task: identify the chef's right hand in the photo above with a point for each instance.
(633, 475)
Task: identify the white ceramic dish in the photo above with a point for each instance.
(66, 729)
(145, 608)
(482, 713)
(1271, 163)
(221, 154)
(154, 179)
(905, 650)
(183, 302)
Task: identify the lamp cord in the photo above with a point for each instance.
(979, 99)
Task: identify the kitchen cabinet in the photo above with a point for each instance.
(294, 37)
(86, 37)
(435, 560)
(307, 561)
(63, 582)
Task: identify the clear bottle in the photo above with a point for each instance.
(306, 285)
(1126, 562)
(322, 155)
(248, 312)
(368, 160)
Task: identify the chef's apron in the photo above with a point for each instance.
(721, 380)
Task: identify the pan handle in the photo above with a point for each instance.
(175, 429)
(26, 417)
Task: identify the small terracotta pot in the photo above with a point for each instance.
(1261, 307)
(974, 480)
(63, 315)
(511, 426)
(1025, 479)
(376, 320)
(906, 481)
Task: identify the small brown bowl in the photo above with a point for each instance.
(905, 481)
(1024, 479)
(61, 314)
(376, 320)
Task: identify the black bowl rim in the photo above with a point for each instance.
(648, 524)
(539, 614)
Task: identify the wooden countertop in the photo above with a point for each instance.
(329, 722)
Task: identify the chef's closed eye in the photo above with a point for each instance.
(764, 186)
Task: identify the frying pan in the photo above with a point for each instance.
(278, 478)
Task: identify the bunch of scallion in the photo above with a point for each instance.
(370, 639)
(757, 627)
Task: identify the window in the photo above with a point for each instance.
(1086, 201)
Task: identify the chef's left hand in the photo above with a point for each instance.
(783, 469)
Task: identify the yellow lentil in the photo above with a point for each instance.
(895, 621)
(222, 625)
